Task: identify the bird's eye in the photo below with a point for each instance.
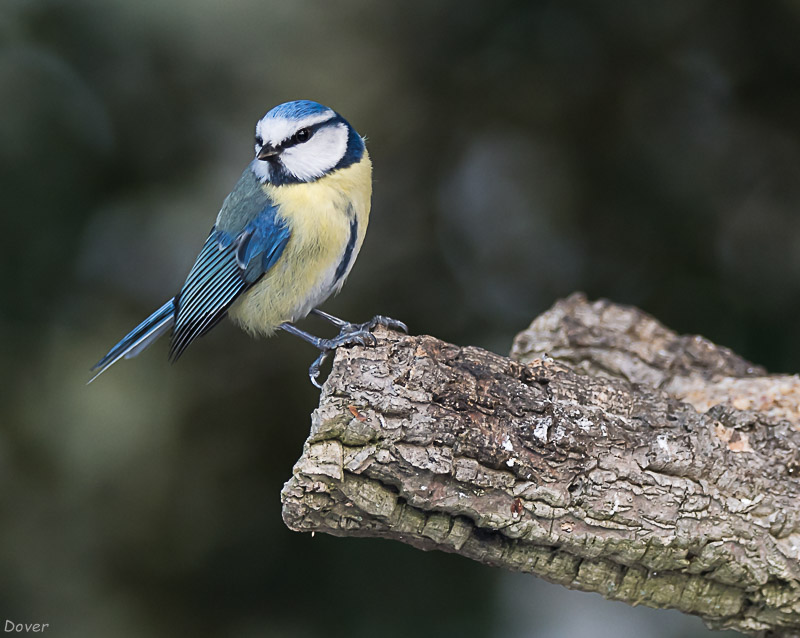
(259, 140)
(302, 135)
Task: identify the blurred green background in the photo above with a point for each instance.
(646, 151)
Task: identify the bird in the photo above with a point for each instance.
(285, 240)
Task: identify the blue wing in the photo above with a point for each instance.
(227, 266)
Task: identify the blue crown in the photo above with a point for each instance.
(297, 110)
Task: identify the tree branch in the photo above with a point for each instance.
(649, 467)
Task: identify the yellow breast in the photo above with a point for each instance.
(318, 215)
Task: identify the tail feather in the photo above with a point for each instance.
(140, 337)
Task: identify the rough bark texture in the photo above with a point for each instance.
(649, 467)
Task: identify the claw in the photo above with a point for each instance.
(371, 338)
(314, 368)
(388, 322)
(360, 337)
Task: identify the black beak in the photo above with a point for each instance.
(267, 152)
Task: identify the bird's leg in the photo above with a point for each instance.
(326, 346)
(339, 323)
(369, 326)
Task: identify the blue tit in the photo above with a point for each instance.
(285, 240)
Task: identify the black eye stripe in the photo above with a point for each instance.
(307, 132)
(304, 134)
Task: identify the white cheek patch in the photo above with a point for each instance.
(318, 155)
(274, 130)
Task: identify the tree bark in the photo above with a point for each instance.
(607, 454)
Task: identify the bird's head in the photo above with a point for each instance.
(302, 141)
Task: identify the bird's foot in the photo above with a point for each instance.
(351, 334)
(386, 322)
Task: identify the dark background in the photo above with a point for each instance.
(644, 151)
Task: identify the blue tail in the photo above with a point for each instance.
(140, 337)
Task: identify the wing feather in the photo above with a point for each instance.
(227, 266)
